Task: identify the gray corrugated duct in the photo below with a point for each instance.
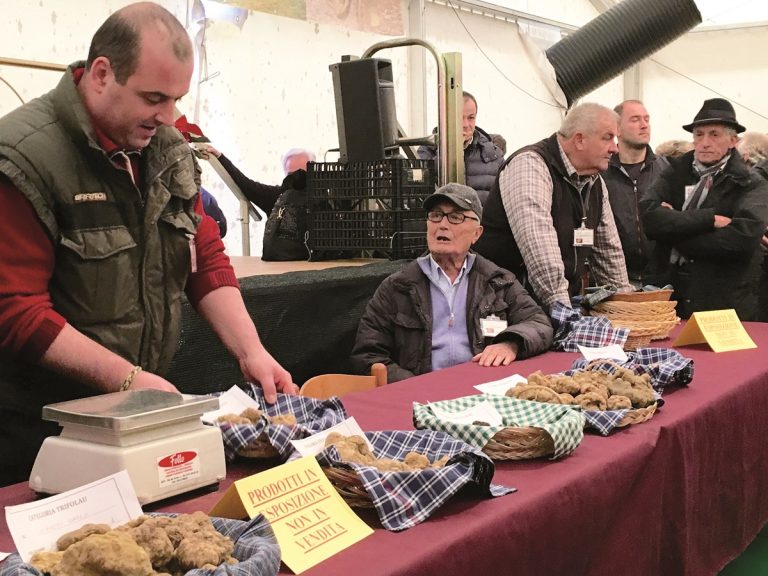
(617, 39)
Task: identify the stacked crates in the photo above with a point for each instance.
(368, 209)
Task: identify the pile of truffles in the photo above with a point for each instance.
(355, 449)
(253, 415)
(592, 390)
(146, 546)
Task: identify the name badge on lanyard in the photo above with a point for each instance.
(583, 236)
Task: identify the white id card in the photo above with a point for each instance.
(492, 325)
(583, 237)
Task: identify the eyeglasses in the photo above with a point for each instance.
(453, 217)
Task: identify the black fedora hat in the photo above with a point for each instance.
(716, 111)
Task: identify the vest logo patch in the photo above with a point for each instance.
(91, 197)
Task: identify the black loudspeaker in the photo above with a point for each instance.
(365, 109)
(617, 39)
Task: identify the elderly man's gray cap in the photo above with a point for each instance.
(462, 196)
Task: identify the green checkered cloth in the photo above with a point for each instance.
(564, 423)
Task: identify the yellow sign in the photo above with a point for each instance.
(310, 520)
(721, 329)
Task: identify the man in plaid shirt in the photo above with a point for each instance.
(548, 218)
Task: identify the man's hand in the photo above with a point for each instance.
(499, 354)
(721, 221)
(265, 370)
(667, 205)
(144, 380)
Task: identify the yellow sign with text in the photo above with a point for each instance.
(721, 329)
(309, 518)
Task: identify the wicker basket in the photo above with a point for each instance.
(349, 486)
(637, 415)
(520, 443)
(652, 308)
(260, 448)
(654, 296)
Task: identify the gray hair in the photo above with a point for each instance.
(296, 152)
(583, 118)
(753, 146)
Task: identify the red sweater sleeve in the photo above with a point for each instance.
(28, 322)
(214, 269)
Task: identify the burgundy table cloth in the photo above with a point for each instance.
(679, 495)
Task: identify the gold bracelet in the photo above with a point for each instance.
(129, 380)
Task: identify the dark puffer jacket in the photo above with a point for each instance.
(482, 160)
(722, 264)
(396, 328)
(624, 195)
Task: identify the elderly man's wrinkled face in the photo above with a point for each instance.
(712, 141)
(596, 146)
(448, 239)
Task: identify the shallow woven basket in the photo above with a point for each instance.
(520, 443)
(349, 486)
(636, 308)
(637, 415)
(655, 295)
(259, 448)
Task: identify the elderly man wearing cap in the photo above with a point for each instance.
(450, 305)
(707, 213)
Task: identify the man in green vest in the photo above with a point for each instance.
(104, 232)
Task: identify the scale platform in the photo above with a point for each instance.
(156, 436)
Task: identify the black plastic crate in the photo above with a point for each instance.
(368, 208)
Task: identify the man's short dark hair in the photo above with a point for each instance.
(119, 38)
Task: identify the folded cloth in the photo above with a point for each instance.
(564, 423)
(404, 499)
(312, 416)
(573, 329)
(597, 294)
(255, 547)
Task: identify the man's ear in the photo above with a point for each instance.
(578, 140)
(478, 233)
(101, 71)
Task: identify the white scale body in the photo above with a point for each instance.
(156, 436)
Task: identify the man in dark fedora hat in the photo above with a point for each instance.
(707, 213)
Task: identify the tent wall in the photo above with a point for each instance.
(268, 87)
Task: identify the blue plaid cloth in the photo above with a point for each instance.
(312, 416)
(666, 367)
(404, 499)
(573, 329)
(255, 547)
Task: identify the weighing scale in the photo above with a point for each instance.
(156, 436)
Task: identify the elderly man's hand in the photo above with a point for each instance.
(272, 377)
(499, 354)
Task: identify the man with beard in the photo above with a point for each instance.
(707, 213)
(630, 173)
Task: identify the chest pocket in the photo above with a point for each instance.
(177, 238)
(408, 341)
(95, 279)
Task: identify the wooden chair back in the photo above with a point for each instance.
(326, 385)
